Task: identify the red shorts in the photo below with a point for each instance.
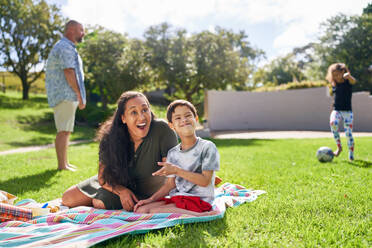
(192, 203)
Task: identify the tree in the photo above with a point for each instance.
(279, 71)
(345, 39)
(112, 64)
(28, 31)
(188, 65)
(348, 39)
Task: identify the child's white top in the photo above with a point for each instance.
(203, 156)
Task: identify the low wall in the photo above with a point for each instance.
(302, 109)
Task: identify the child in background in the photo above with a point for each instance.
(190, 168)
(340, 78)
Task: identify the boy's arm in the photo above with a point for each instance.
(163, 191)
(202, 179)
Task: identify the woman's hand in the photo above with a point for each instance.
(127, 198)
(141, 203)
(168, 169)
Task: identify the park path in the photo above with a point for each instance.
(37, 148)
(223, 135)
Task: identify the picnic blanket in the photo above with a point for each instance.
(86, 226)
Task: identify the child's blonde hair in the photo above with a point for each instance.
(335, 67)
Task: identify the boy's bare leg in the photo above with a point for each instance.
(145, 209)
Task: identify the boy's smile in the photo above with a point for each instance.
(184, 121)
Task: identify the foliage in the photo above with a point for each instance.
(344, 39)
(279, 71)
(28, 30)
(187, 65)
(11, 82)
(112, 63)
(348, 40)
(292, 86)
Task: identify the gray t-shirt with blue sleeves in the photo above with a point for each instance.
(63, 55)
(203, 156)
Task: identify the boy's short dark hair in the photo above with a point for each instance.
(172, 106)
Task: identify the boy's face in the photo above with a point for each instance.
(183, 121)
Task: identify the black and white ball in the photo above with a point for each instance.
(324, 154)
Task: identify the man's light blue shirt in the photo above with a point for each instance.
(63, 55)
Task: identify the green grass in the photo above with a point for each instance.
(30, 122)
(308, 204)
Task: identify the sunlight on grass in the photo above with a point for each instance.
(30, 122)
(308, 203)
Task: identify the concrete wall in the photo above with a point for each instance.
(302, 109)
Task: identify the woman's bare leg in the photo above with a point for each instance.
(171, 208)
(73, 197)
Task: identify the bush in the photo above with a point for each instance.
(292, 86)
(93, 115)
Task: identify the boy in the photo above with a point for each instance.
(190, 169)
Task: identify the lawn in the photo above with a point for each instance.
(30, 122)
(308, 203)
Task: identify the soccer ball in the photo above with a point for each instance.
(324, 154)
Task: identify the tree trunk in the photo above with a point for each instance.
(103, 97)
(25, 87)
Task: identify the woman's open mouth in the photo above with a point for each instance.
(141, 126)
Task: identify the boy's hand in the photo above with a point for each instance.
(168, 169)
(141, 203)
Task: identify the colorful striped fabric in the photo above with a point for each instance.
(10, 212)
(86, 226)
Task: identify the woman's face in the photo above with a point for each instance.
(137, 116)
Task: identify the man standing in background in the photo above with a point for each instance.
(64, 81)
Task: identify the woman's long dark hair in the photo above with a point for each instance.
(115, 148)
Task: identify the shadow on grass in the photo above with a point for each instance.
(240, 142)
(30, 120)
(185, 233)
(361, 163)
(32, 142)
(8, 102)
(35, 182)
(197, 232)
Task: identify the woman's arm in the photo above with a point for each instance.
(127, 197)
(202, 179)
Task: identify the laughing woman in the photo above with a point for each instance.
(131, 144)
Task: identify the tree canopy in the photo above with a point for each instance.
(28, 30)
(189, 64)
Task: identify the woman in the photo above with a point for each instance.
(131, 144)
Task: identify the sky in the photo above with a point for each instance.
(276, 27)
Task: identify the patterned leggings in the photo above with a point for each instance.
(335, 119)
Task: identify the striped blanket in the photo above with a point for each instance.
(86, 226)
